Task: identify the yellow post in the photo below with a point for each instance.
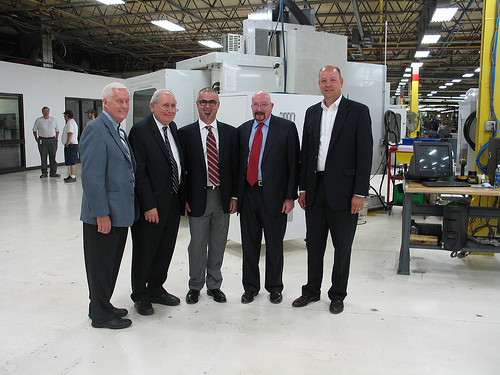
(483, 106)
(414, 97)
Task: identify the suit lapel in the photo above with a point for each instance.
(116, 137)
(342, 112)
(157, 136)
(271, 136)
(222, 138)
(196, 134)
(316, 124)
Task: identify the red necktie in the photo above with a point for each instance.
(212, 159)
(253, 161)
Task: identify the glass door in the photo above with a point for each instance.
(12, 152)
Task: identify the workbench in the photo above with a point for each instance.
(409, 209)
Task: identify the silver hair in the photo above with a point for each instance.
(157, 93)
(107, 92)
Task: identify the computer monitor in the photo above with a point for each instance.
(430, 161)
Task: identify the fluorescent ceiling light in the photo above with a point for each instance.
(407, 75)
(457, 80)
(434, 92)
(430, 94)
(408, 69)
(210, 43)
(443, 87)
(468, 75)
(417, 64)
(431, 38)
(111, 2)
(444, 14)
(170, 26)
(478, 70)
(419, 54)
(404, 80)
(449, 84)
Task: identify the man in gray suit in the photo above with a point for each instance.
(108, 203)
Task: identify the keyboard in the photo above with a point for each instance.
(445, 183)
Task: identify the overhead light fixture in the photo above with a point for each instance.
(458, 80)
(417, 64)
(434, 92)
(407, 75)
(404, 80)
(112, 2)
(443, 87)
(468, 75)
(430, 38)
(210, 44)
(478, 70)
(430, 94)
(422, 54)
(170, 26)
(408, 69)
(448, 84)
(444, 14)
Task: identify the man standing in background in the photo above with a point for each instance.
(159, 188)
(108, 204)
(210, 151)
(46, 133)
(70, 141)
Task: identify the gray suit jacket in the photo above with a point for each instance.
(107, 175)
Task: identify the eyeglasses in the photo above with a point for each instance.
(211, 103)
(262, 105)
(168, 107)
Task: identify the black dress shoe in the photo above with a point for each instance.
(166, 299)
(192, 296)
(248, 297)
(116, 323)
(218, 295)
(336, 306)
(120, 313)
(304, 300)
(144, 308)
(276, 297)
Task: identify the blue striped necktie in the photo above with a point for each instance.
(123, 138)
(173, 163)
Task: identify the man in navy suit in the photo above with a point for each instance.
(108, 203)
(336, 159)
(159, 189)
(211, 160)
(267, 188)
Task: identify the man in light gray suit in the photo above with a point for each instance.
(108, 203)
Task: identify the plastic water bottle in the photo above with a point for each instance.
(497, 176)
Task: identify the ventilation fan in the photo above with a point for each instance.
(412, 122)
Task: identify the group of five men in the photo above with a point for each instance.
(207, 171)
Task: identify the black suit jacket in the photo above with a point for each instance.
(349, 158)
(196, 168)
(153, 179)
(280, 163)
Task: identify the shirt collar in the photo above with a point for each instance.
(159, 124)
(113, 121)
(204, 124)
(266, 123)
(335, 104)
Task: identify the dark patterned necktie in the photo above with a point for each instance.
(173, 163)
(212, 159)
(253, 161)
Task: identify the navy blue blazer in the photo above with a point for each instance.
(279, 166)
(107, 175)
(153, 185)
(349, 158)
(196, 168)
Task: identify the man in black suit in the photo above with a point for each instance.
(267, 188)
(156, 146)
(336, 159)
(211, 165)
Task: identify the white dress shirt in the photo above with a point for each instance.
(173, 145)
(204, 135)
(327, 122)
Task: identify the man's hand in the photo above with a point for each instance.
(186, 210)
(152, 216)
(287, 206)
(104, 224)
(302, 200)
(233, 205)
(357, 204)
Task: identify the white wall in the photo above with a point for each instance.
(47, 87)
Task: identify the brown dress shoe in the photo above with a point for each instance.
(304, 300)
(337, 306)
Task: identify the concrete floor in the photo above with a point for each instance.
(442, 319)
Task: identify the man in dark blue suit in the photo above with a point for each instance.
(211, 165)
(336, 159)
(159, 189)
(267, 188)
(108, 203)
